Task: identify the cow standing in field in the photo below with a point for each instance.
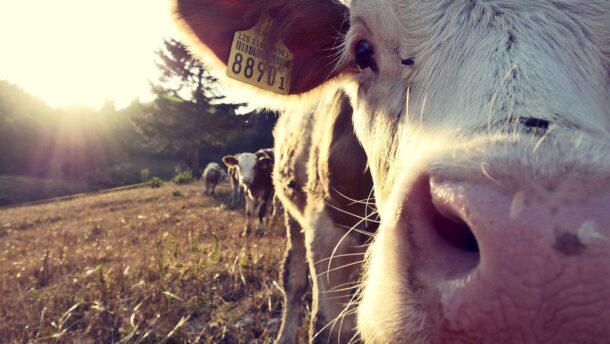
(323, 182)
(236, 197)
(213, 174)
(254, 174)
(486, 131)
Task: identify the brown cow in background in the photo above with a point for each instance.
(254, 174)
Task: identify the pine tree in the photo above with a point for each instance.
(188, 111)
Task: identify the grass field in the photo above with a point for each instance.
(137, 266)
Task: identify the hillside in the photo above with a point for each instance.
(20, 189)
(137, 266)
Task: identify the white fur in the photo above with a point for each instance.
(247, 164)
(456, 106)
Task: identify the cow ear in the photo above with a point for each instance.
(310, 29)
(230, 160)
(266, 153)
(270, 154)
(265, 162)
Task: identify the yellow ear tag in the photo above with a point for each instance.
(247, 64)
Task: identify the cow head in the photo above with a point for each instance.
(487, 129)
(249, 166)
(245, 164)
(264, 159)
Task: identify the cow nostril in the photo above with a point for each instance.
(454, 230)
(441, 235)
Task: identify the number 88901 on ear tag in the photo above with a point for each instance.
(247, 60)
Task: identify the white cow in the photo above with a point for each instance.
(486, 129)
(213, 174)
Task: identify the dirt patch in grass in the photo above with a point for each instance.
(138, 266)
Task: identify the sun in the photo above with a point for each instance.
(74, 52)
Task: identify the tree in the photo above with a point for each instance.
(26, 128)
(188, 111)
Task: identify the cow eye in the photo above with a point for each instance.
(364, 56)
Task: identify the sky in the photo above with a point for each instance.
(83, 52)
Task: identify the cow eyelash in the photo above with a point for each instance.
(408, 61)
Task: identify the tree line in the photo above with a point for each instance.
(190, 122)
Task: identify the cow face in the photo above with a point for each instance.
(249, 166)
(487, 129)
(428, 72)
(246, 165)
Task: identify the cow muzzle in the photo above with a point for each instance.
(521, 265)
(482, 264)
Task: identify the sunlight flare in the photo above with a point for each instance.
(70, 52)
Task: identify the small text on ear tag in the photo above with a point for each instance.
(247, 60)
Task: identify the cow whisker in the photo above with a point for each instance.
(344, 284)
(357, 231)
(339, 256)
(423, 109)
(330, 323)
(345, 312)
(339, 243)
(337, 297)
(407, 106)
(367, 202)
(355, 338)
(373, 208)
(546, 134)
(339, 268)
(331, 291)
(355, 201)
(321, 330)
(365, 245)
(341, 55)
(332, 254)
(487, 174)
(343, 315)
(352, 214)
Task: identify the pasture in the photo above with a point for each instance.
(138, 266)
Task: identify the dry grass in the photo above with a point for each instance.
(137, 266)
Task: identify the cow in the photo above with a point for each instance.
(323, 182)
(236, 197)
(213, 174)
(486, 131)
(254, 175)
